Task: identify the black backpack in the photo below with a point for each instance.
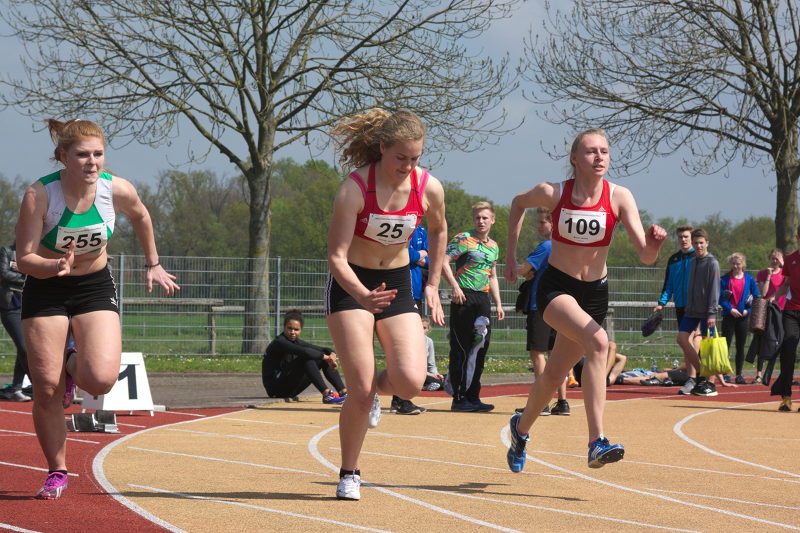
(523, 304)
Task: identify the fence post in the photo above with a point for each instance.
(121, 288)
(277, 314)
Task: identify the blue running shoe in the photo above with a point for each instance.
(601, 452)
(332, 398)
(516, 452)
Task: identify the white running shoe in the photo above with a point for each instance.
(375, 412)
(349, 487)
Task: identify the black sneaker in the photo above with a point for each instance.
(397, 403)
(483, 407)
(740, 380)
(407, 408)
(545, 411)
(688, 387)
(561, 407)
(519, 410)
(704, 388)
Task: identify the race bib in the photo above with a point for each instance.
(390, 229)
(87, 239)
(582, 227)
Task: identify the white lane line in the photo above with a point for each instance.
(678, 430)
(229, 461)
(425, 460)
(679, 467)
(505, 438)
(15, 528)
(97, 470)
(31, 434)
(229, 436)
(556, 510)
(33, 468)
(15, 412)
(258, 508)
(313, 448)
(131, 425)
(770, 438)
(307, 426)
(422, 437)
(748, 502)
(185, 414)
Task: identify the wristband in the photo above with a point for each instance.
(148, 267)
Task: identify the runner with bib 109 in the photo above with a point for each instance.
(573, 292)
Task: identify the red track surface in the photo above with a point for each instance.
(86, 507)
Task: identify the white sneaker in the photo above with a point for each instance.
(349, 487)
(375, 412)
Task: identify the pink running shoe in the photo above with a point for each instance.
(69, 386)
(54, 485)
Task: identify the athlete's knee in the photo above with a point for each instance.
(597, 345)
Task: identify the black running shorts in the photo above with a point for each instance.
(69, 295)
(337, 299)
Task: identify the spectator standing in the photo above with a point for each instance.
(737, 290)
(702, 300)
(11, 283)
(540, 337)
(472, 285)
(769, 281)
(791, 328)
(676, 280)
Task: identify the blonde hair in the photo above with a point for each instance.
(65, 134)
(737, 256)
(482, 205)
(359, 138)
(544, 211)
(578, 138)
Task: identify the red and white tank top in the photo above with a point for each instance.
(584, 226)
(396, 227)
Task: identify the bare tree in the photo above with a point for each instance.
(253, 76)
(719, 78)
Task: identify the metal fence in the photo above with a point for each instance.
(206, 317)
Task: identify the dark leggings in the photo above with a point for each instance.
(791, 335)
(733, 326)
(12, 321)
(300, 374)
(466, 364)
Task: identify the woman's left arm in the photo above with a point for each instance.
(648, 243)
(437, 240)
(127, 202)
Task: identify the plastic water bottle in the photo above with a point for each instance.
(654, 366)
(675, 363)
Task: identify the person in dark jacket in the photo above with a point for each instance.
(11, 283)
(290, 365)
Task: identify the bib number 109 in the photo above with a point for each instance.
(582, 227)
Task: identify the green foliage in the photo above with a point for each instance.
(302, 205)
(10, 198)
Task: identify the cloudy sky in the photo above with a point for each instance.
(497, 172)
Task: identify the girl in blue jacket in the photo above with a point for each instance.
(737, 291)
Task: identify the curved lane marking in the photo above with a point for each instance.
(678, 429)
(313, 448)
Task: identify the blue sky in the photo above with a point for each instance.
(496, 172)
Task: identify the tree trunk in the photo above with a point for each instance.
(255, 335)
(787, 171)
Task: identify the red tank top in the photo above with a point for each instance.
(584, 226)
(396, 227)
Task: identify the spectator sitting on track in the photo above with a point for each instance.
(615, 363)
(290, 365)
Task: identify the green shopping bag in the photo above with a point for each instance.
(714, 355)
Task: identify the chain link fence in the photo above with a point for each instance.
(206, 317)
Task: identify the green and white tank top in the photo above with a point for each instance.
(89, 231)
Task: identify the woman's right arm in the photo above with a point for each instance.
(346, 206)
(29, 232)
(542, 195)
